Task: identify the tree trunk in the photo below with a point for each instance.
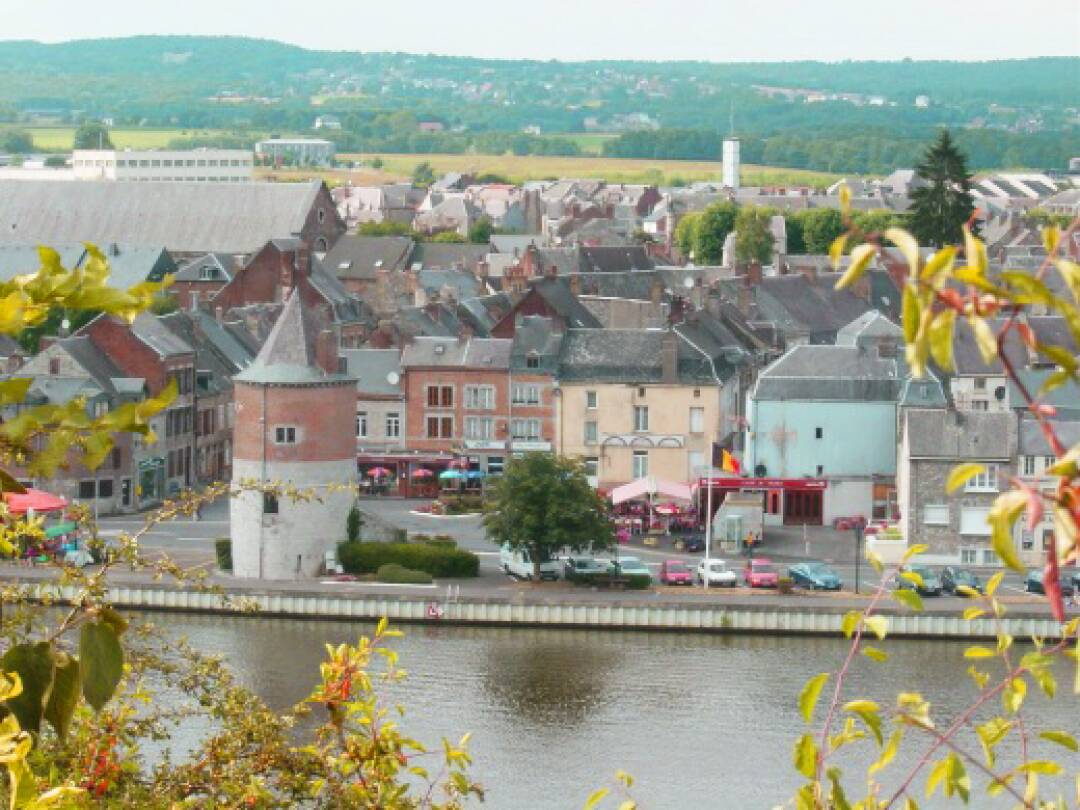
(535, 553)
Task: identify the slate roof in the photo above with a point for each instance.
(1066, 398)
(445, 255)
(511, 243)
(102, 377)
(868, 328)
(217, 350)
(219, 264)
(374, 370)
(462, 283)
(288, 355)
(946, 434)
(150, 330)
(183, 217)
(628, 356)
(536, 337)
(1032, 441)
(433, 320)
(556, 292)
(129, 264)
(831, 373)
(359, 257)
(479, 353)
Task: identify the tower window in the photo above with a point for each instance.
(270, 503)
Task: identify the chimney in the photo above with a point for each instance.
(861, 288)
(575, 284)
(744, 297)
(677, 313)
(219, 314)
(193, 303)
(432, 308)
(669, 357)
(303, 259)
(326, 351)
(753, 272)
(656, 292)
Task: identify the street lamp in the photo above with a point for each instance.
(858, 529)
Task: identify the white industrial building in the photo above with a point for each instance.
(191, 165)
(301, 151)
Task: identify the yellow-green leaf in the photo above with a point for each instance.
(836, 250)
(973, 613)
(908, 247)
(879, 625)
(984, 338)
(910, 599)
(941, 263)
(808, 697)
(910, 313)
(888, 753)
(993, 582)
(850, 622)
(102, 662)
(1013, 696)
(975, 252)
(1062, 738)
(845, 199)
(961, 474)
(941, 338)
(875, 654)
(595, 798)
(805, 757)
(978, 652)
(860, 260)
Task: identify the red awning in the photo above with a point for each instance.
(787, 484)
(36, 499)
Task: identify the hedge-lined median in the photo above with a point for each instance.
(437, 560)
(394, 574)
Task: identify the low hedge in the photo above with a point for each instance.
(441, 540)
(462, 504)
(395, 574)
(437, 560)
(223, 550)
(634, 582)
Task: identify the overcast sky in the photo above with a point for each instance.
(714, 30)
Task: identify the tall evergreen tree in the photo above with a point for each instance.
(940, 208)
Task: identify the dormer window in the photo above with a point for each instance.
(532, 361)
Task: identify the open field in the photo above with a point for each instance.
(538, 167)
(59, 139)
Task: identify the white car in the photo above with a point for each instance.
(717, 572)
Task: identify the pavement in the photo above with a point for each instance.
(191, 544)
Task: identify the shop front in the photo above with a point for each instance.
(786, 501)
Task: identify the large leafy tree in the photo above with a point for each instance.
(820, 227)
(93, 135)
(941, 206)
(716, 222)
(686, 234)
(753, 237)
(543, 503)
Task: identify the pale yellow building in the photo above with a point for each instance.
(638, 402)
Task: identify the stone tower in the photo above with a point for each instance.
(295, 417)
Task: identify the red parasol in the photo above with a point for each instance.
(36, 499)
(423, 472)
(379, 472)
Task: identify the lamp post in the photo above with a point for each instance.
(858, 552)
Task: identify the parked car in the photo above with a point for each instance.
(579, 568)
(629, 566)
(931, 583)
(693, 542)
(760, 573)
(717, 572)
(1034, 582)
(816, 576)
(518, 563)
(952, 576)
(675, 572)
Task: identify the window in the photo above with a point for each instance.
(590, 400)
(54, 365)
(641, 463)
(87, 489)
(590, 433)
(361, 425)
(1049, 461)
(1029, 465)
(818, 433)
(697, 420)
(1027, 540)
(525, 394)
(532, 361)
(479, 427)
(393, 426)
(525, 429)
(980, 383)
(495, 465)
(986, 481)
(697, 393)
(440, 427)
(820, 471)
(285, 435)
(592, 466)
(480, 397)
(641, 392)
(980, 405)
(696, 462)
(105, 488)
(440, 396)
(270, 503)
(969, 556)
(936, 514)
(117, 457)
(641, 418)
(973, 520)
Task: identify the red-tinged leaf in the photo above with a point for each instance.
(1052, 582)
(1026, 334)
(952, 299)
(1043, 409)
(1033, 509)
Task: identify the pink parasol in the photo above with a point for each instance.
(379, 472)
(36, 499)
(423, 472)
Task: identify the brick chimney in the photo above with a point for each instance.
(326, 351)
(744, 297)
(753, 272)
(669, 357)
(575, 284)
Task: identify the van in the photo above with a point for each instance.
(518, 563)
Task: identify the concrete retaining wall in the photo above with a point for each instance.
(764, 619)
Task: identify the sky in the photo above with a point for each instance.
(713, 30)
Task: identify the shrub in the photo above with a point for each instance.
(421, 538)
(785, 585)
(396, 574)
(437, 560)
(223, 550)
(462, 504)
(353, 523)
(444, 540)
(634, 582)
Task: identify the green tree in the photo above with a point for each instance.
(385, 228)
(423, 175)
(92, 135)
(717, 221)
(820, 227)
(686, 234)
(753, 237)
(448, 236)
(878, 220)
(16, 141)
(940, 208)
(353, 524)
(544, 503)
(480, 232)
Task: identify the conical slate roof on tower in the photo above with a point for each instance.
(288, 357)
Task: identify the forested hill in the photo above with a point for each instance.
(238, 83)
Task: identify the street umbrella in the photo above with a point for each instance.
(459, 464)
(475, 474)
(667, 509)
(423, 472)
(448, 475)
(378, 472)
(36, 499)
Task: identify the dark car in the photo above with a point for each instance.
(694, 542)
(1034, 582)
(953, 576)
(816, 576)
(931, 584)
(576, 569)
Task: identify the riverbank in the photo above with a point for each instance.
(526, 605)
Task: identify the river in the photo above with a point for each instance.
(700, 721)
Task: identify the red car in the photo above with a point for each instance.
(760, 573)
(675, 572)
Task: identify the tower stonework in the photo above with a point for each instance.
(294, 427)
